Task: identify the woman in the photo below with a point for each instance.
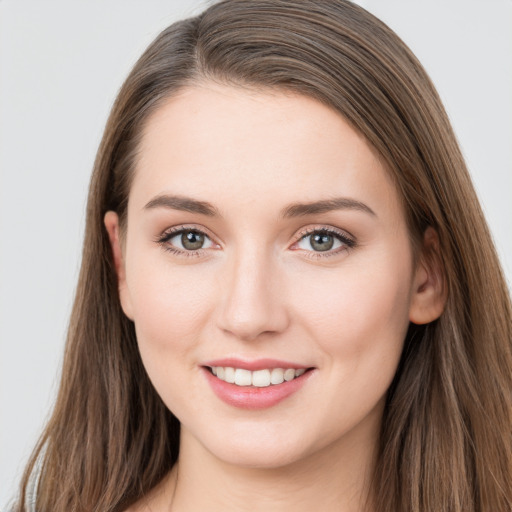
(289, 296)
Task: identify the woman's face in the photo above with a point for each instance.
(265, 235)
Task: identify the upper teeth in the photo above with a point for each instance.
(259, 378)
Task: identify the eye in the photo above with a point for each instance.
(191, 240)
(324, 241)
(185, 240)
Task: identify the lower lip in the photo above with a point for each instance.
(252, 397)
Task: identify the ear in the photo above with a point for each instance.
(429, 296)
(111, 221)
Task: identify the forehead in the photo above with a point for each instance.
(223, 143)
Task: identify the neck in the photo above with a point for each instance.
(335, 478)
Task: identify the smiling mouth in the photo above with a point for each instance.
(258, 378)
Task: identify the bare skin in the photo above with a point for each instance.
(331, 288)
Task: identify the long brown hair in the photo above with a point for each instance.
(446, 439)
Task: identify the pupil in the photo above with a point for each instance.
(322, 242)
(191, 240)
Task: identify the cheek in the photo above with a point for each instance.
(170, 311)
(359, 313)
(170, 307)
(358, 319)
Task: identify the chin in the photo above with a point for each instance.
(261, 447)
(260, 456)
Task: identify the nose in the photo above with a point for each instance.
(251, 300)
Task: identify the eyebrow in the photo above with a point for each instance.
(185, 204)
(327, 205)
(188, 204)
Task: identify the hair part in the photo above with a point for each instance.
(446, 441)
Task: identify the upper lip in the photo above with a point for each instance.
(256, 364)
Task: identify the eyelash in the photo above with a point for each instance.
(164, 238)
(347, 241)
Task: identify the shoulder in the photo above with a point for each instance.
(31, 492)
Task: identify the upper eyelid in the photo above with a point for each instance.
(175, 230)
(325, 228)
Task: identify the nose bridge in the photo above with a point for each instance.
(252, 302)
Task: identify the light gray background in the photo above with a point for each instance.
(61, 63)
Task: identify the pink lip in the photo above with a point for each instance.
(257, 364)
(252, 397)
